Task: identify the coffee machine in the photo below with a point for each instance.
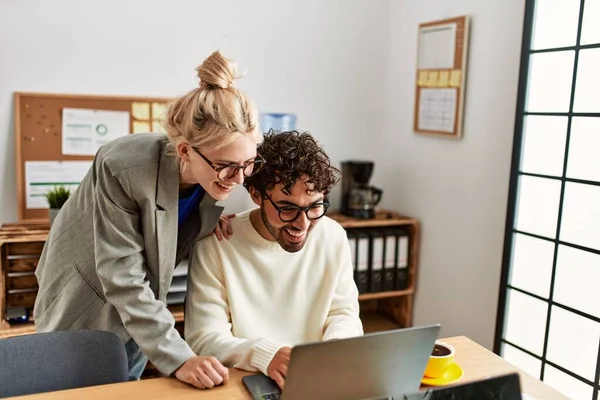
(358, 198)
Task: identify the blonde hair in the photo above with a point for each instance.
(214, 114)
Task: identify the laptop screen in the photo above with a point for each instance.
(504, 387)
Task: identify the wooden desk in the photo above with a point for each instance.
(476, 361)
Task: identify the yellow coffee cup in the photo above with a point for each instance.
(442, 357)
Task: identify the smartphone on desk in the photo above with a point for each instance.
(261, 387)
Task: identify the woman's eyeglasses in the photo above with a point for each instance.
(291, 212)
(228, 171)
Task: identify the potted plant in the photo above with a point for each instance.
(56, 199)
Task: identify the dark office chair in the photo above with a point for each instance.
(45, 362)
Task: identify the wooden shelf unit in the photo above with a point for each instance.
(396, 306)
(376, 322)
(26, 328)
(385, 295)
(20, 249)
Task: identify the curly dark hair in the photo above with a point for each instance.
(290, 156)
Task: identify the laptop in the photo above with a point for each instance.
(365, 367)
(504, 387)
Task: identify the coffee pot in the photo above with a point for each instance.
(363, 200)
(358, 197)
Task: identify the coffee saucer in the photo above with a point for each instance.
(453, 374)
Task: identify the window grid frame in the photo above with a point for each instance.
(516, 174)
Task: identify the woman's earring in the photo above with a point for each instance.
(182, 166)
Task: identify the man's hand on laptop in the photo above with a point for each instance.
(277, 369)
(203, 372)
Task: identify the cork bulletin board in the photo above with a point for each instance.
(47, 155)
(441, 73)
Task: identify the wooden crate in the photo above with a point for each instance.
(20, 249)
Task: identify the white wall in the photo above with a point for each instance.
(315, 58)
(458, 189)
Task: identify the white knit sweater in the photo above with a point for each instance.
(247, 297)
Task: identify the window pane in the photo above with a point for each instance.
(525, 321)
(588, 84)
(550, 15)
(573, 342)
(531, 268)
(581, 215)
(590, 34)
(567, 385)
(550, 78)
(522, 360)
(544, 145)
(537, 208)
(584, 162)
(577, 277)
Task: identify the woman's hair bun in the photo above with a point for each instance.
(217, 72)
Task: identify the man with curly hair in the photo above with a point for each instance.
(285, 277)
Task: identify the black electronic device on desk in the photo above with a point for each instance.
(505, 387)
(262, 387)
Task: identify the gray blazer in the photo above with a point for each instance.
(110, 255)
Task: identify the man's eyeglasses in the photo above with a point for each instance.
(228, 171)
(291, 212)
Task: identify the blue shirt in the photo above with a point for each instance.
(187, 204)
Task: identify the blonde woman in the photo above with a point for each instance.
(110, 255)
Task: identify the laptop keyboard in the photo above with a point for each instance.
(271, 396)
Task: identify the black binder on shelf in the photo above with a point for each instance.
(353, 243)
(376, 239)
(389, 259)
(362, 269)
(402, 256)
